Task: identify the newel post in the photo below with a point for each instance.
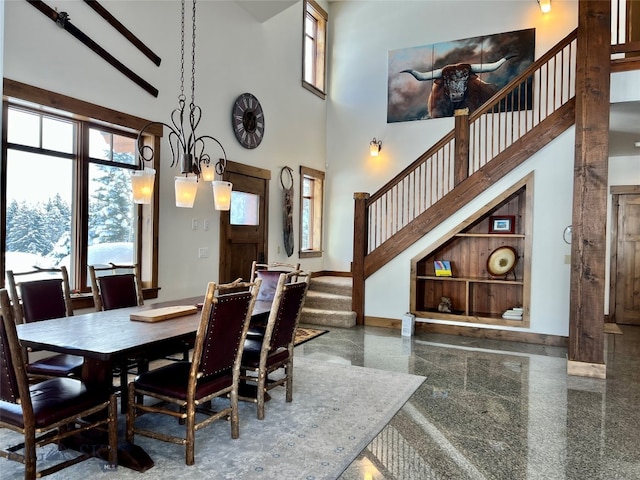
(360, 233)
(461, 159)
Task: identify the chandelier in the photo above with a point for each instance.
(187, 147)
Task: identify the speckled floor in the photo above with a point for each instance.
(496, 410)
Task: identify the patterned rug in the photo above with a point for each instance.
(304, 334)
(317, 436)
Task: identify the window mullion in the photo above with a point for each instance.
(80, 227)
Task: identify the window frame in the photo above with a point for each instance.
(88, 115)
(318, 85)
(318, 212)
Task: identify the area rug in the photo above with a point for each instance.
(304, 334)
(336, 411)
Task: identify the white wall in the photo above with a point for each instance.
(235, 54)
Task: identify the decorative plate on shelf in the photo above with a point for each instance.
(502, 261)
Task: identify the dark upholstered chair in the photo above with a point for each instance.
(49, 411)
(119, 286)
(44, 299)
(183, 387)
(274, 350)
(116, 286)
(270, 273)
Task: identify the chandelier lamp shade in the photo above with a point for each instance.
(188, 148)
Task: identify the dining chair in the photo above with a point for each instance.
(49, 411)
(270, 273)
(119, 286)
(46, 296)
(181, 388)
(273, 351)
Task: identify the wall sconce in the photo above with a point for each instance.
(545, 5)
(374, 147)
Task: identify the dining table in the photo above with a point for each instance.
(107, 338)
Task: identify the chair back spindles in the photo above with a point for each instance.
(116, 289)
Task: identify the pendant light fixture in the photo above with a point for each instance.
(187, 147)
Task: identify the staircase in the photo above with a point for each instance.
(328, 302)
(530, 112)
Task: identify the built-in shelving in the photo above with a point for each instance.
(476, 296)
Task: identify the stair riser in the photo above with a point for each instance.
(332, 288)
(329, 319)
(328, 303)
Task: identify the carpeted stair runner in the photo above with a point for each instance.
(328, 302)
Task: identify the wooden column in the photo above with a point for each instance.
(586, 312)
(461, 160)
(360, 235)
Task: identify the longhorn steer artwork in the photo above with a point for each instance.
(458, 86)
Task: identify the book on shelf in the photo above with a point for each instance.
(442, 268)
(513, 314)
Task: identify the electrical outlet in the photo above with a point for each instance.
(567, 259)
(205, 224)
(194, 224)
(203, 252)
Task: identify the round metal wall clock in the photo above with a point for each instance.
(247, 118)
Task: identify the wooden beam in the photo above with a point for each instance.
(361, 227)
(62, 20)
(588, 247)
(126, 33)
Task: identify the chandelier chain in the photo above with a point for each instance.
(182, 53)
(193, 56)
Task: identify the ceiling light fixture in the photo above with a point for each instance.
(187, 148)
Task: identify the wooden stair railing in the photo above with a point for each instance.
(528, 113)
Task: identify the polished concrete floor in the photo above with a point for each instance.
(496, 410)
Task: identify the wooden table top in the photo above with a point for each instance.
(103, 335)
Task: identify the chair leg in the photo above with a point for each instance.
(262, 379)
(131, 413)
(29, 454)
(190, 439)
(113, 432)
(235, 423)
(288, 371)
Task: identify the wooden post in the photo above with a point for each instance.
(588, 254)
(461, 159)
(360, 236)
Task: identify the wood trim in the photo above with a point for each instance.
(84, 110)
(585, 369)
(247, 170)
(330, 273)
(625, 190)
(474, 332)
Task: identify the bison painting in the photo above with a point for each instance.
(458, 86)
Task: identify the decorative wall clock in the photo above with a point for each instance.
(247, 118)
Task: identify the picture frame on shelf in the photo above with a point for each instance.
(502, 224)
(442, 268)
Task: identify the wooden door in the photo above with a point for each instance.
(244, 228)
(625, 274)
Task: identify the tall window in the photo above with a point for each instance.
(314, 54)
(311, 195)
(68, 193)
